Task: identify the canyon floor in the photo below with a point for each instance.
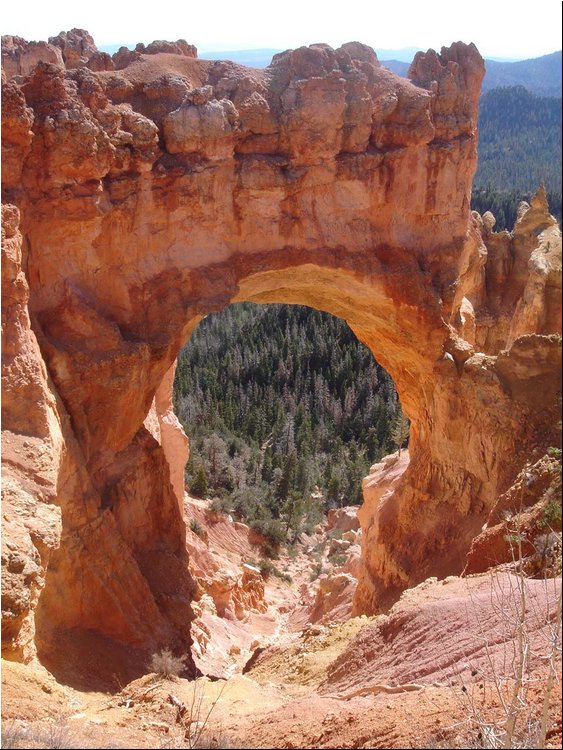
(287, 665)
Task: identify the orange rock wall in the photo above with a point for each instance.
(155, 193)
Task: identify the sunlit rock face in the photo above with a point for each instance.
(154, 193)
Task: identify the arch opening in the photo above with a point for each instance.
(143, 520)
(285, 411)
(280, 402)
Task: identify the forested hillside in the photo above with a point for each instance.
(519, 140)
(278, 401)
(519, 148)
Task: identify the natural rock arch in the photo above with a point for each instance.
(149, 196)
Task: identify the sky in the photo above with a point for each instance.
(499, 28)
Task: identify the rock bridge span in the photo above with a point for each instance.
(154, 189)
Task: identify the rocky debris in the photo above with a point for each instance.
(157, 193)
(338, 546)
(233, 605)
(352, 536)
(342, 519)
(353, 564)
(334, 597)
(525, 522)
(377, 489)
(235, 595)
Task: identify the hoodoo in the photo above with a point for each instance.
(142, 193)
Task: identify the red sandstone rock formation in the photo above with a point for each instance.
(20, 57)
(32, 460)
(154, 194)
(79, 50)
(164, 426)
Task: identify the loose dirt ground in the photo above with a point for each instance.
(431, 673)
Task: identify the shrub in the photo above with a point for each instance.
(337, 559)
(165, 664)
(316, 572)
(272, 528)
(196, 527)
(220, 505)
(54, 733)
(551, 514)
(267, 568)
(335, 534)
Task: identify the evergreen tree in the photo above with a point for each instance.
(278, 400)
(400, 430)
(199, 487)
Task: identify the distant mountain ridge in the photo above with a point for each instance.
(252, 58)
(541, 75)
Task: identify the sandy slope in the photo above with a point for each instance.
(423, 675)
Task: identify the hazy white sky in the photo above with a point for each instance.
(499, 28)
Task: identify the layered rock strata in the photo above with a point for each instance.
(155, 193)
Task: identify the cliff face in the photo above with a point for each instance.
(169, 187)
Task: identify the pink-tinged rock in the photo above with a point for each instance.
(148, 199)
(19, 57)
(342, 519)
(79, 51)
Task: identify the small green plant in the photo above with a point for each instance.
(193, 720)
(55, 732)
(551, 514)
(267, 568)
(292, 551)
(515, 538)
(337, 559)
(335, 534)
(554, 452)
(196, 527)
(220, 505)
(274, 531)
(271, 551)
(316, 571)
(166, 665)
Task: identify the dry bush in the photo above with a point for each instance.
(166, 665)
(53, 733)
(501, 703)
(193, 722)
